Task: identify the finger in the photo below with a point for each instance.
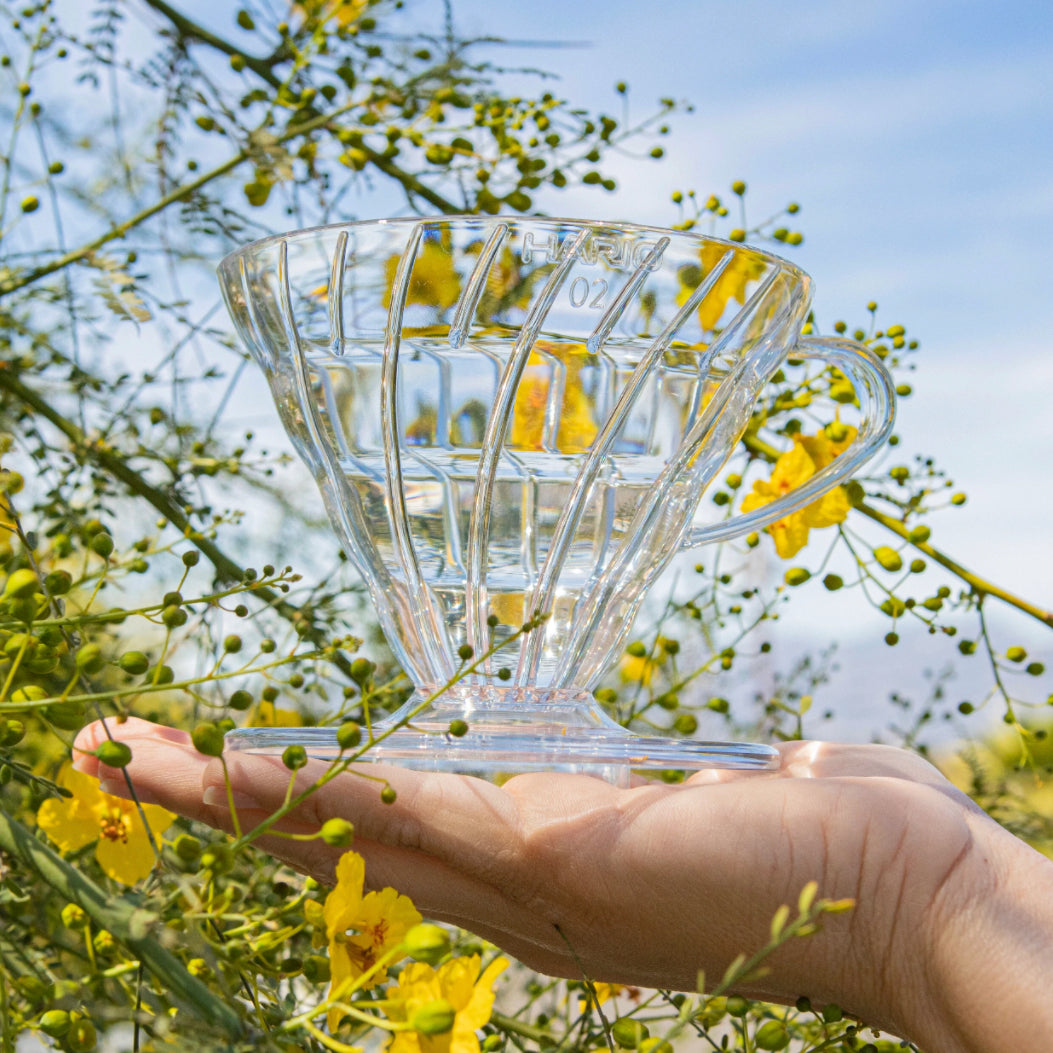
(826, 760)
(165, 767)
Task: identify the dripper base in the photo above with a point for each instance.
(528, 730)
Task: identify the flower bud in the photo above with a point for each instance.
(58, 582)
(316, 969)
(361, 670)
(796, 576)
(134, 662)
(207, 739)
(427, 943)
(294, 757)
(55, 1023)
(889, 558)
(90, 659)
(81, 1036)
(218, 858)
(772, 1034)
(629, 1033)
(73, 917)
(348, 735)
(187, 848)
(337, 832)
(21, 584)
(114, 754)
(433, 1018)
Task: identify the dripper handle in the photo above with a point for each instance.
(876, 395)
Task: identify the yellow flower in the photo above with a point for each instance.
(743, 268)
(791, 470)
(576, 428)
(456, 983)
(122, 846)
(268, 715)
(380, 920)
(434, 281)
(345, 12)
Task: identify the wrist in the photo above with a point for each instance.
(986, 948)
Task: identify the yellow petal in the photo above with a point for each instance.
(790, 535)
(343, 903)
(71, 822)
(127, 861)
(829, 510)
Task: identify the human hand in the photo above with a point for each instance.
(648, 885)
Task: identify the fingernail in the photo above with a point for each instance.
(217, 796)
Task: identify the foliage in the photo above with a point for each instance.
(141, 145)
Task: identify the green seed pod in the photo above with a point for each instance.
(629, 1033)
(89, 658)
(637, 649)
(833, 582)
(245, 20)
(427, 943)
(29, 693)
(1016, 654)
(752, 540)
(796, 576)
(21, 584)
(894, 607)
(1034, 669)
(30, 203)
(465, 652)
(388, 795)
(772, 1034)
(173, 616)
(458, 728)
(55, 1023)
(668, 700)
(337, 832)
(920, 534)
(889, 558)
(207, 739)
(114, 754)
(294, 757)
(967, 647)
(832, 1013)
(433, 1018)
(718, 705)
(738, 234)
(232, 644)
